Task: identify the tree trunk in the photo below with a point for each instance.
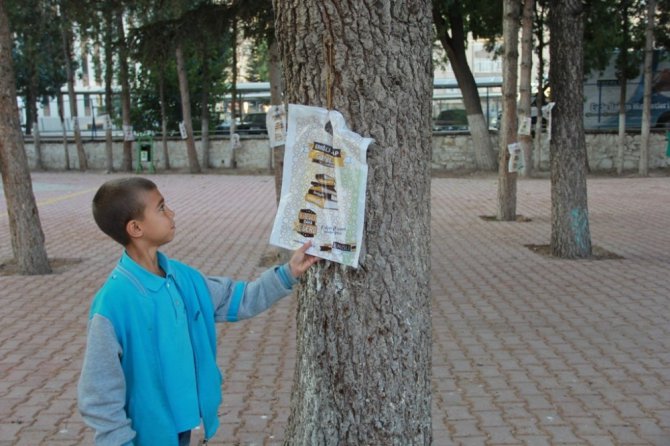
(525, 112)
(233, 97)
(274, 73)
(127, 160)
(61, 116)
(539, 99)
(109, 105)
(454, 45)
(37, 144)
(363, 374)
(204, 111)
(191, 152)
(67, 48)
(25, 228)
(164, 118)
(34, 117)
(508, 130)
(621, 140)
(646, 102)
(570, 235)
(29, 113)
(623, 81)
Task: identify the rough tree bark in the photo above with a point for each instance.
(364, 335)
(570, 234)
(24, 223)
(646, 101)
(191, 152)
(506, 210)
(525, 71)
(454, 45)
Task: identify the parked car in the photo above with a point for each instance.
(451, 120)
(222, 128)
(533, 117)
(252, 124)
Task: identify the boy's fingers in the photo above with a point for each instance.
(305, 246)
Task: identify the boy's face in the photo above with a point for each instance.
(157, 224)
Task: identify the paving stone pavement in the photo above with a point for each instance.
(527, 350)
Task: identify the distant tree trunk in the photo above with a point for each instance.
(277, 153)
(508, 130)
(164, 119)
(539, 99)
(127, 160)
(37, 144)
(526, 141)
(67, 48)
(109, 105)
(233, 97)
(363, 374)
(61, 116)
(274, 73)
(570, 234)
(646, 103)
(29, 113)
(193, 165)
(25, 228)
(34, 85)
(454, 45)
(623, 83)
(204, 111)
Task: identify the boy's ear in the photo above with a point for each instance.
(134, 229)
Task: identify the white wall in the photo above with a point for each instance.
(450, 152)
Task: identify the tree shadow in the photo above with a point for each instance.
(9, 267)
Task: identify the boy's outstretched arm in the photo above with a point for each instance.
(237, 300)
(301, 261)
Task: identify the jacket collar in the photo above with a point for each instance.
(148, 279)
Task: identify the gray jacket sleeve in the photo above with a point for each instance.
(237, 300)
(102, 386)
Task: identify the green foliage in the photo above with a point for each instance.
(203, 32)
(482, 19)
(617, 28)
(36, 47)
(662, 28)
(258, 62)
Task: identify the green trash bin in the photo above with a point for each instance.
(667, 138)
(145, 152)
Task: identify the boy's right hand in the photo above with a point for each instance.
(301, 261)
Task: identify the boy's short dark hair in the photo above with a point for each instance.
(117, 202)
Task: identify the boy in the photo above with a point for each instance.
(149, 374)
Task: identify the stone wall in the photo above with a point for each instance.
(450, 152)
(254, 154)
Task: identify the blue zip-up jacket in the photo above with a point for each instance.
(138, 385)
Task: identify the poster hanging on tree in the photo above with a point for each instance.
(275, 120)
(323, 186)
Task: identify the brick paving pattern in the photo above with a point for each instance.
(527, 350)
